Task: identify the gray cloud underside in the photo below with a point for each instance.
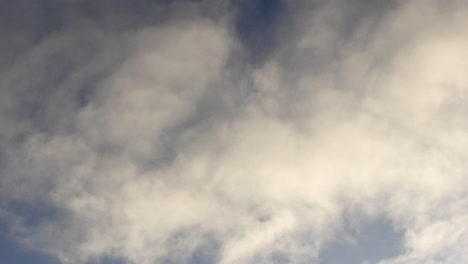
(154, 139)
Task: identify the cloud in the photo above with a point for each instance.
(154, 140)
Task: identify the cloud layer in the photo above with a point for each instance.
(167, 140)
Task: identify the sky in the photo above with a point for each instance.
(233, 131)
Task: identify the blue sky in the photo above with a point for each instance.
(233, 131)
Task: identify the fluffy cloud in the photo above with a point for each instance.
(180, 150)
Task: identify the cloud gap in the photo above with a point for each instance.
(363, 241)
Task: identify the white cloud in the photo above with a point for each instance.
(373, 123)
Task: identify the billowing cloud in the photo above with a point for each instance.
(169, 141)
